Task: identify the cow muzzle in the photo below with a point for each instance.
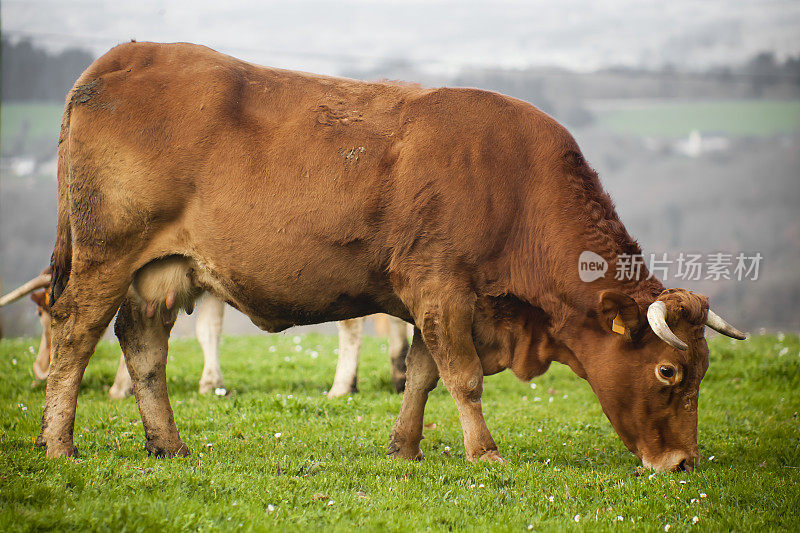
(675, 461)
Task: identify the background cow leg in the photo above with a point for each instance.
(422, 378)
(123, 386)
(209, 329)
(80, 315)
(41, 366)
(350, 333)
(144, 342)
(398, 348)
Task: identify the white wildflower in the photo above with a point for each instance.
(702, 494)
(220, 391)
(577, 518)
(666, 527)
(711, 458)
(297, 339)
(331, 502)
(619, 518)
(270, 508)
(533, 385)
(695, 519)
(278, 435)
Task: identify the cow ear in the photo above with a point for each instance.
(619, 313)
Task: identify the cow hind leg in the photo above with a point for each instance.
(422, 376)
(398, 348)
(346, 377)
(79, 317)
(143, 336)
(208, 330)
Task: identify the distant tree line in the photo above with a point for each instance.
(30, 73)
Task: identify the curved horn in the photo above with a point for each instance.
(39, 282)
(716, 323)
(657, 317)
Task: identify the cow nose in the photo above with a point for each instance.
(685, 462)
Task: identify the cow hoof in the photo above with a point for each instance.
(177, 449)
(210, 385)
(118, 392)
(407, 453)
(492, 456)
(338, 392)
(59, 449)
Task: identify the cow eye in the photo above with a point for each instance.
(668, 374)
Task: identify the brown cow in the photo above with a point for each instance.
(301, 198)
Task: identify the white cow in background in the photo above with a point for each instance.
(208, 329)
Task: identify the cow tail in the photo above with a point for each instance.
(61, 260)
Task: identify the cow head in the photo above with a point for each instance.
(646, 371)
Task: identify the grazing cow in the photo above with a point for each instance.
(300, 198)
(208, 329)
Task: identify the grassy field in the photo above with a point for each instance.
(760, 118)
(277, 454)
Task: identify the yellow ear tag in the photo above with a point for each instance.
(618, 326)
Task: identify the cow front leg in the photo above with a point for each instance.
(209, 329)
(447, 330)
(144, 341)
(422, 376)
(346, 377)
(123, 386)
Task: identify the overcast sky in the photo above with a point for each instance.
(438, 35)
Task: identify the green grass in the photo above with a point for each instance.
(333, 450)
(760, 118)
